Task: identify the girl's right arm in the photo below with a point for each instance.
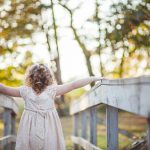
(10, 91)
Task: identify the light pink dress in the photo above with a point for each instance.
(40, 127)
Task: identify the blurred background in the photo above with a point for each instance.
(76, 39)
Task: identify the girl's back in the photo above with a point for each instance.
(40, 127)
(35, 101)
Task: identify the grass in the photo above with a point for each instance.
(132, 123)
(67, 130)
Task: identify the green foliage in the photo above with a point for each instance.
(14, 76)
(130, 23)
(18, 20)
(126, 31)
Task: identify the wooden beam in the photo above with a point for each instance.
(13, 128)
(112, 128)
(7, 140)
(84, 143)
(7, 125)
(84, 124)
(7, 121)
(9, 102)
(93, 126)
(148, 132)
(75, 128)
(13, 124)
(130, 94)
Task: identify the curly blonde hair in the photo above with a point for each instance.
(39, 76)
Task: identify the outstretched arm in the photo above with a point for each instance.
(67, 87)
(10, 91)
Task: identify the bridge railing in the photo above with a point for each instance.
(8, 115)
(129, 94)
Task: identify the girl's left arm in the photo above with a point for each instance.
(67, 87)
(10, 91)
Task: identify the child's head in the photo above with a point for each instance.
(38, 76)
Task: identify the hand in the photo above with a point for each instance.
(1, 85)
(97, 78)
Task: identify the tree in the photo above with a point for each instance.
(14, 75)
(130, 33)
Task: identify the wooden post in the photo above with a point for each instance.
(75, 128)
(7, 125)
(13, 124)
(93, 126)
(84, 124)
(13, 129)
(148, 133)
(112, 128)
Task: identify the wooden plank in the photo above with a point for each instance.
(7, 125)
(148, 133)
(13, 129)
(131, 94)
(112, 128)
(84, 125)
(8, 102)
(75, 128)
(6, 140)
(93, 126)
(13, 124)
(7, 121)
(1, 115)
(84, 143)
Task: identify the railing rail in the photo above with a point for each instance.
(7, 142)
(129, 94)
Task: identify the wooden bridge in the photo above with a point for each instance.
(131, 95)
(9, 110)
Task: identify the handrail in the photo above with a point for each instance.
(8, 102)
(7, 142)
(128, 94)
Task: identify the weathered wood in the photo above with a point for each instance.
(7, 121)
(116, 93)
(7, 125)
(84, 124)
(112, 128)
(13, 129)
(84, 143)
(148, 133)
(13, 124)
(75, 128)
(8, 102)
(130, 94)
(7, 140)
(9, 110)
(93, 126)
(1, 115)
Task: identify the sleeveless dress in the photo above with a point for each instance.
(40, 127)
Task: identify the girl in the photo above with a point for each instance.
(40, 127)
